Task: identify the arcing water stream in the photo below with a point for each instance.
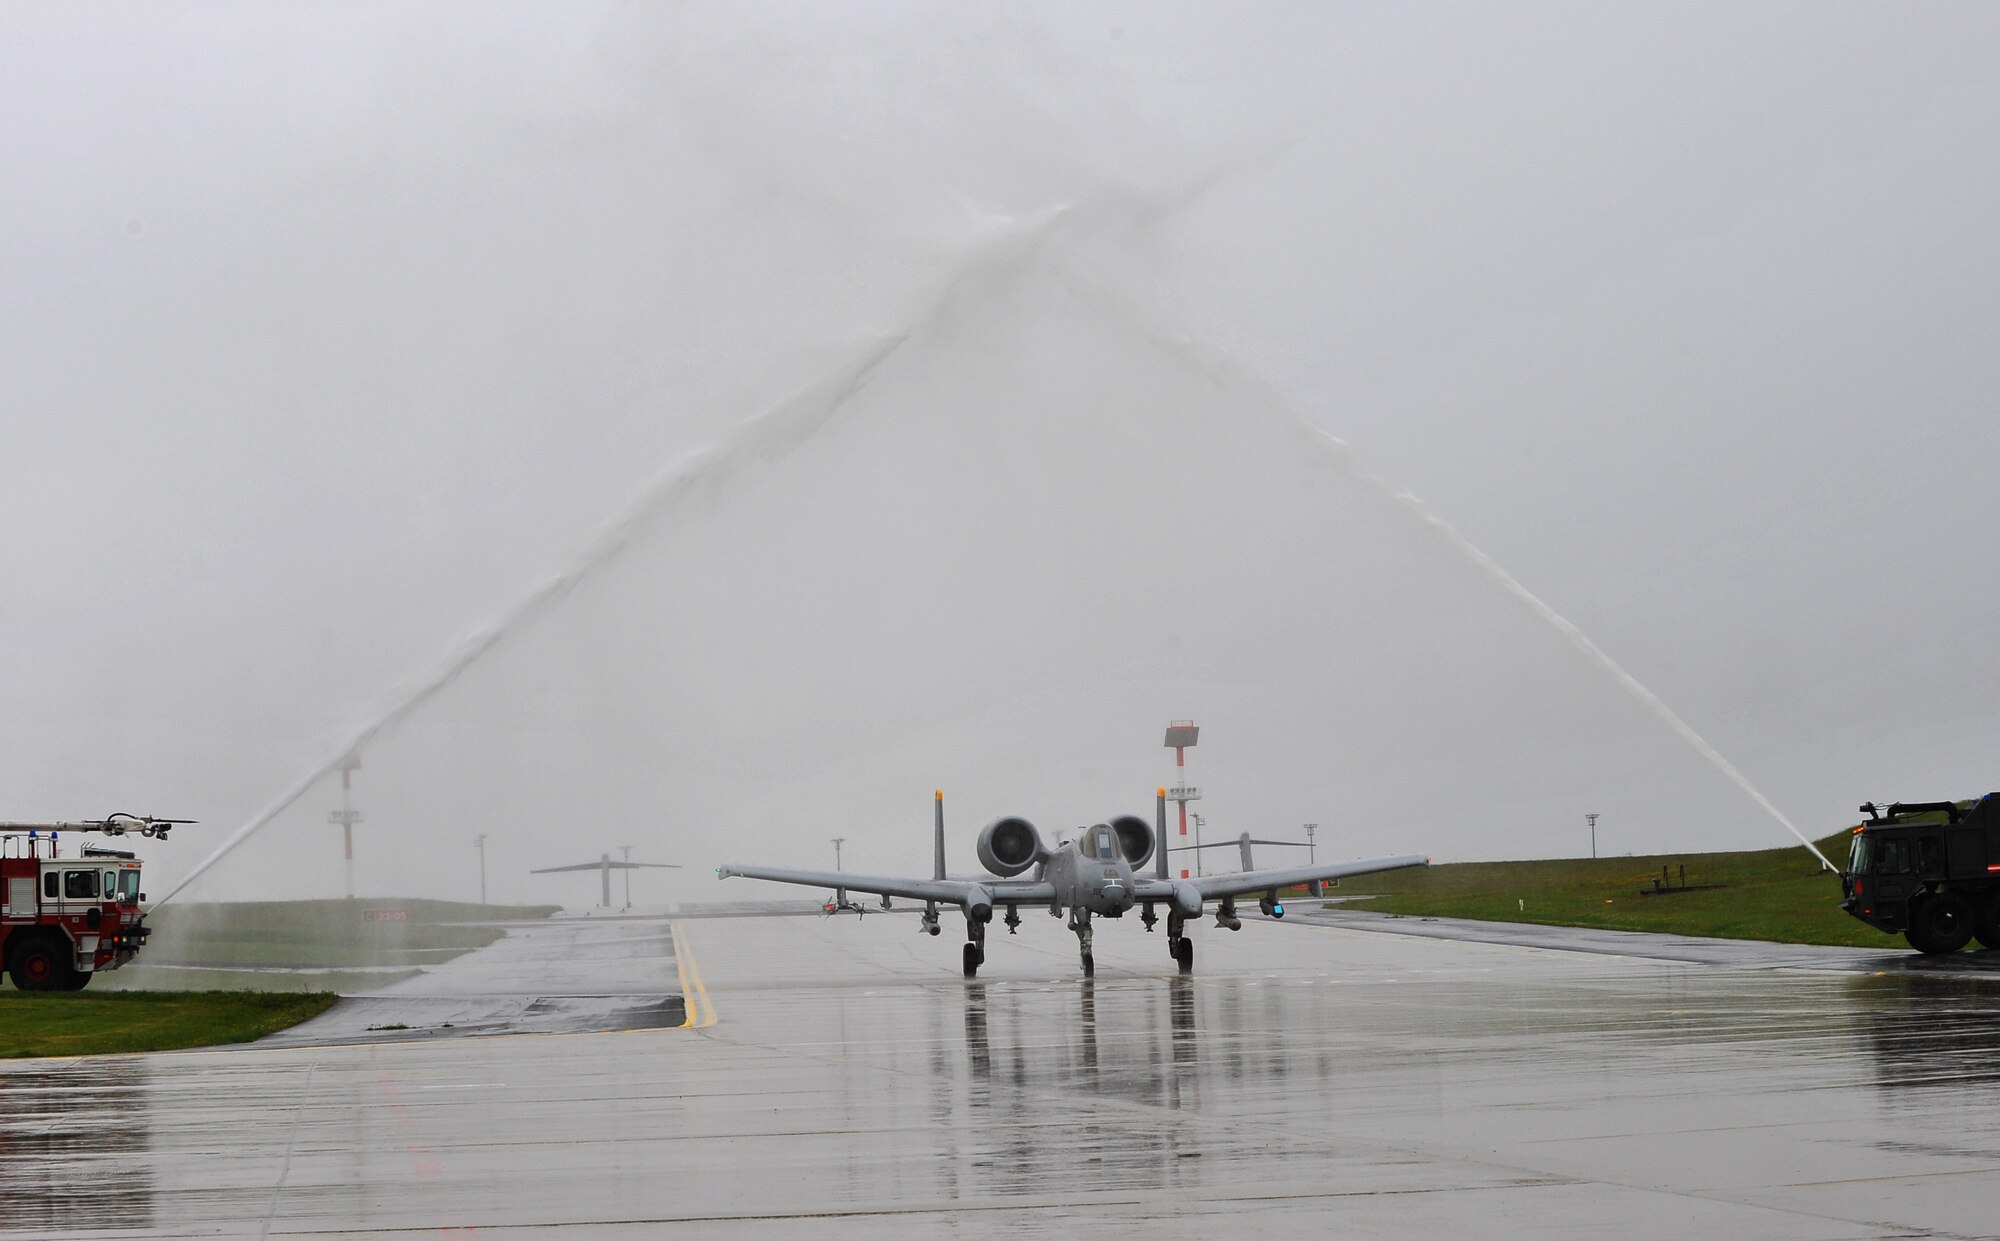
(1577, 639)
(769, 435)
(777, 431)
(1225, 371)
(761, 440)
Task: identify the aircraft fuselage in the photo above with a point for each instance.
(1089, 873)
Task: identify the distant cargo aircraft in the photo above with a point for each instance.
(1096, 872)
(606, 865)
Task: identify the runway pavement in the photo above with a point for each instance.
(839, 1079)
(580, 972)
(1893, 957)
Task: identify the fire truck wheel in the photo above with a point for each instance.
(1987, 931)
(41, 963)
(1940, 924)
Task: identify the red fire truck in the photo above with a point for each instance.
(63, 919)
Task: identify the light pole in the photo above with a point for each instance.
(347, 816)
(1310, 855)
(837, 842)
(1197, 844)
(1593, 834)
(480, 844)
(627, 850)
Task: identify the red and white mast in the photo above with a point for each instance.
(1180, 735)
(347, 816)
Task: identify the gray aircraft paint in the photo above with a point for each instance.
(1083, 876)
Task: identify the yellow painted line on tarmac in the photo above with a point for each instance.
(700, 1009)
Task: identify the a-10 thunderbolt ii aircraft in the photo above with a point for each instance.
(1095, 872)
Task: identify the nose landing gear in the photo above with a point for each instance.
(1079, 921)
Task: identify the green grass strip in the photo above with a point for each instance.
(86, 1024)
(1780, 895)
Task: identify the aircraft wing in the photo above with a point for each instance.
(550, 870)
(1245, 882)
(949, 891)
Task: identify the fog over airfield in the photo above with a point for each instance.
(329, 335)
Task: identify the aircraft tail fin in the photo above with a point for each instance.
(1160, 834)
(939, 838)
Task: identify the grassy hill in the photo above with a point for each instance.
(1772, 894)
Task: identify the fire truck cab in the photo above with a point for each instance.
(64, 919)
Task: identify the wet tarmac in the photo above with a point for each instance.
(839, 1078)
(1893, 957)
(569, 974)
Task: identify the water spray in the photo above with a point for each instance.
(1226, 372)
(773, 434)
(1577, 639)
(760, 441)
(766, 436)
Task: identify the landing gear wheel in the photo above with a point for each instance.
(1089, 965)
(41, 964)
(972, 958)
(1942, 924)
(1184, 955)
(1987, 929)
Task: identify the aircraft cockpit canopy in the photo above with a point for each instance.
(1101, 843)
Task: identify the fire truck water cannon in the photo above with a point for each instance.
(110, 825)
(64, 919)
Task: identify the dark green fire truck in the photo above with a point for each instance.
(1930, 870)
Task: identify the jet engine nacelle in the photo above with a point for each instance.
(1009, 846)
(1135, 839)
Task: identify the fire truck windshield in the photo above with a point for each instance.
(128, 886)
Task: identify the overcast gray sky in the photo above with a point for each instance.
(327, 334)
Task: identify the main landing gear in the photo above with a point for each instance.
(975, 947)
(1178, 944)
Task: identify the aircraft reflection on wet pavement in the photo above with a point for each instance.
(76, 1147)
(1145, 1073)
(1092, 873)
(1012, 1072)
